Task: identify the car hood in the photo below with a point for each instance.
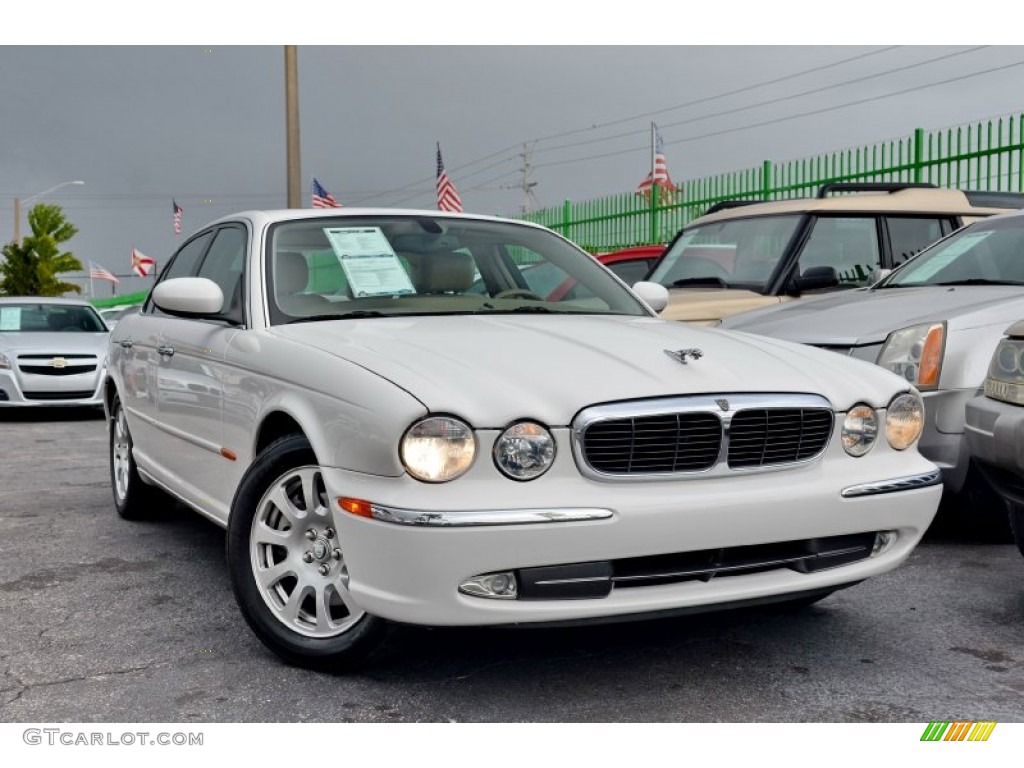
(494, 370)
(708, 305)
(55, 343)
(860, 317)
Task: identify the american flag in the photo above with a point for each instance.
(142, 265)
(177, 216)
(321, 198)
(447, 196)
(96, 272)
(658, 177)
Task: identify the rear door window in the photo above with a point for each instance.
(909, 235)
(847, 244)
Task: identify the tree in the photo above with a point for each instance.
(31, 267)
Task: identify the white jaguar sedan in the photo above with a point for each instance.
(392, 426)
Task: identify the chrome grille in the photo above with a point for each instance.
(677, 442)
(763, 436)
(699, 434)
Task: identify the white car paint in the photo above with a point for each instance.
(197, 394)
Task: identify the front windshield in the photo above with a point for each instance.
(361, 266)
(987, 253)
(739, 253)
(37, 317)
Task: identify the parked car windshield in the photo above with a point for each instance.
(739, 253)
(35, 317)
(358, 266)
(990, 252)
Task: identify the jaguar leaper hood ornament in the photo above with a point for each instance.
(681, 355)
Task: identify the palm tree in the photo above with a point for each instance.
(31, 267)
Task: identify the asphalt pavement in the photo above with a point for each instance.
(103, 620)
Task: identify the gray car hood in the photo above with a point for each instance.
(860, 317)
(58, 343)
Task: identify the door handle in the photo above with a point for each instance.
(165, 350)
(126, 343)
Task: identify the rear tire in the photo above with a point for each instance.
(133, 498)
(1017, 525)
(287, 565)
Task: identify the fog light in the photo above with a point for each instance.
(883, 540)
(501, 586)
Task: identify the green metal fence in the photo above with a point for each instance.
(985, 155)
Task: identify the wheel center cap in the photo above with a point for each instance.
(321, 550)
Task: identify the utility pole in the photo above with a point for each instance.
(529, 199)
(291, 102)
(17, 220)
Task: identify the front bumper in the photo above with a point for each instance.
(83, 389)
(995, 434)
(411, 572)
(942, 441)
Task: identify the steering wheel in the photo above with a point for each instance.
(518, 293)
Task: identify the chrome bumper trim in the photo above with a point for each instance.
(895, 485)
(482, 517)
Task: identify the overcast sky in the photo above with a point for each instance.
(205, 125)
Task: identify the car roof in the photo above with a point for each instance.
(265, 217)
(911, 200)
(44, 300)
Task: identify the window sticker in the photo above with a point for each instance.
(369, 263)
(10, 319)
(945, 257)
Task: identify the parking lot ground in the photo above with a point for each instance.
(103, 620)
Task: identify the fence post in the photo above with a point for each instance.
(918, 154)
(766, 180)
(566, 219)
(654, 215)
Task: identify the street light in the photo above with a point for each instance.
(18, 203)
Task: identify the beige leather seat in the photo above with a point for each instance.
(291, 276)
(442, 271)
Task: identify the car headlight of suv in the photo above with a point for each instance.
(4, 361)
(860, 429)
(524, 451)
(915, 353)
(1005, 380)
(438, 449)
(904, 421)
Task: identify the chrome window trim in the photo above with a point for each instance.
(669, 406)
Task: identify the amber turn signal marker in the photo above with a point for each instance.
(931, 358)
(356, 507)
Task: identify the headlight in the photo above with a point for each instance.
(860, 428)
(904, 420)
(915, 353)
(4, 361)
(438, 449)
(1005, 380)
(524, 451)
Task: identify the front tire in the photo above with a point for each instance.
(287, 563)
(1017, 524)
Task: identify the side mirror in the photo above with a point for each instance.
(655, 295)
(816, 278)
(189, 297)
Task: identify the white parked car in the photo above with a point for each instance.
(52, 352)
(384, 443)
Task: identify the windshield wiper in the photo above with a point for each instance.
(700, 281)
(340, 316)
(980, 281)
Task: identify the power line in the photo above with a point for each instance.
(788, 117)
(457, 168)
(768, 102)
